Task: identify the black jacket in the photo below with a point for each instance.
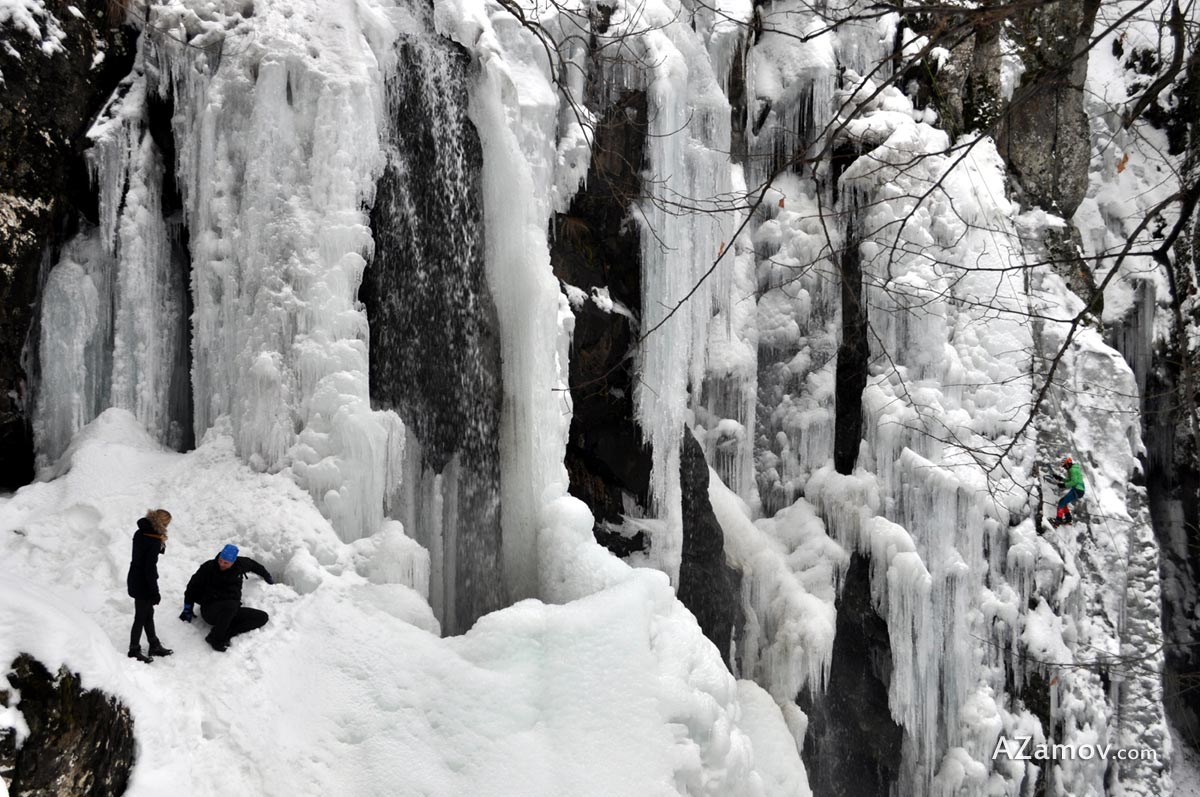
(142, 581)
(210, 583)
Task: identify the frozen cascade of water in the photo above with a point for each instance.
(114, 326)
(796, 97)
(686, 227)
(435, 349)
(274, 179)
(729, 397)
(798, 320)
(931, 521)
(75, 352)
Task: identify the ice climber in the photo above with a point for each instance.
(217, 587)
(149, 541)
(1073, 482)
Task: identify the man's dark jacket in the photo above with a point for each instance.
(211, 584)
(142, 581)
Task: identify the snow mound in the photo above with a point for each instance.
(349, 689)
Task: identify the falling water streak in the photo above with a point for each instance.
(434, 346)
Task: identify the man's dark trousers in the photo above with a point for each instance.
(230, 618)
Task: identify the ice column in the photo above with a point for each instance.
(685, 227)
(516, 119)
(127, 346)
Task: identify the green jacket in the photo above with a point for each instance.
(1074, 478)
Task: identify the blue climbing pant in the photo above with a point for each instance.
(1071, 497)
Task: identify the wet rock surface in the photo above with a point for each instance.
(80, 741)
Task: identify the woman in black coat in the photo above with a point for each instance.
(149, 541)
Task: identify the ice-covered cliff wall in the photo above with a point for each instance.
(807, 253)
(274, 190)
(57, 68)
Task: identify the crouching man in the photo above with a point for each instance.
(217, 587)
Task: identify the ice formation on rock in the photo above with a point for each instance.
(773, 159)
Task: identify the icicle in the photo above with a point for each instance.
(71, 392)
(116, 136)
(789, 573)
(149, 326)
(730, 395)
(683, 224)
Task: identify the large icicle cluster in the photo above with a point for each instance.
(954, 564)
(114, 331)
(937, 240)
(274, 186)
(725, 416)
(797, 322)
(684, 232)
(790, 569)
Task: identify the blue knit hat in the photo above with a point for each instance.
(228, 553)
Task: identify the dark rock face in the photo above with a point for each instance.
(853, 353)
(1049, 158)
(1171, 428)
(706, 581)
(429, 267)
(594, 246)
(80, 741)
(160, 112)
(435, 346)
(966, 91)
(49, 103)
(1034, 694)
(852, 748)
(1042, 132)
(854, 348)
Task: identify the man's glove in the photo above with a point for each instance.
(1062, 482)
(187, 614)
(267, 578)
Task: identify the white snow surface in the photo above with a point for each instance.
(349, 689)
(29, 17)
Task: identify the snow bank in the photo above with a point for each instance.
(349, 689)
